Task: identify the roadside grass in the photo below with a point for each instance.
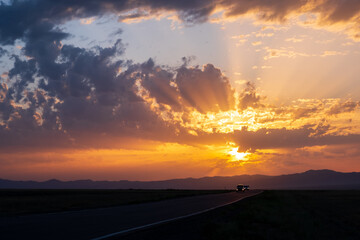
(289, 215)
(270, 215)
(20, 202)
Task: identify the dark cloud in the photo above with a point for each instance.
(161, 85)
(23, 74)
(92, 94)
(304, 112)
(329, 11)
(205, 89)
(65, 96)
(116, 33)
(338, 11)
(43, 43)
(6, 107)
(18, 17)
(300, 111)
(273, 10)
(308, 135)
(3, 52)
(34, 126)
(343, 107)
(249, 97)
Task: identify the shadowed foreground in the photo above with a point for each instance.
(26, 201)
(93, 223)
(271, 215)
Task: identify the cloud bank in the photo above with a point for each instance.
(19, 17)
(61, 96)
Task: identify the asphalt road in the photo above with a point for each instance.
(95, 223)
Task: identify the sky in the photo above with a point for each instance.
(163, 89)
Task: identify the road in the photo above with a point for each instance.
(96, 223)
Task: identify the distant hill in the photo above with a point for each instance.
(312, 179)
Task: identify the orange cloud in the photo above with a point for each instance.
(257, 43)
(336, 15)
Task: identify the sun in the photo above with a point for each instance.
(238, 155)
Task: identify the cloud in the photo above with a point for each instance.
(304, 112)
(294, 40)
(249, 97)
(308, 135)
(303, 108)
(205, 89)
(241, 42)
(27, 127)
(22, 74)
(277, 10)
(161, 85)
(6, 106)
(283, 52)
(87, 21)
(63, 96)
(261, 34)
(257, 43)
(17, 17)
(68, 97)
(242, 38)
(332, 53)
(3, 52)
(328, 13)
(343, 107)
(265, 67)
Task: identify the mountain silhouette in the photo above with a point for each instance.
(312, 179)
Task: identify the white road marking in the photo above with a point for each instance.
(168, 220)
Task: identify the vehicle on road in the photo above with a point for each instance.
(242, 188)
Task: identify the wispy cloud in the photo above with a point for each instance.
(283, 52)
(256, 43)
(332, 53)
(294, 40)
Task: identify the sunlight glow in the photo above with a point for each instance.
(238, 155)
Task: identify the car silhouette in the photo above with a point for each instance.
(242, 188)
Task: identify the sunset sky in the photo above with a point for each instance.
(161, 89)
